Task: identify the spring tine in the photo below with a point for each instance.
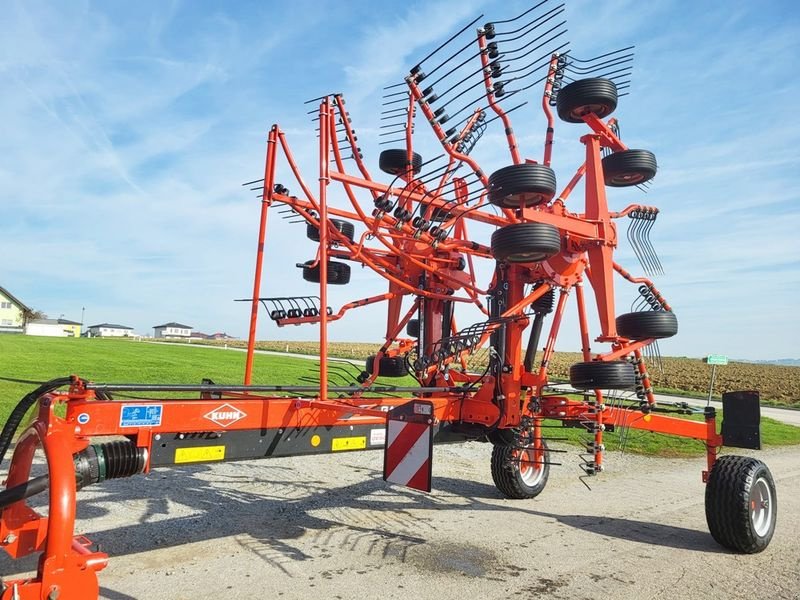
(450, 39)
(397, 124)
(391, 141)
(321, 98)
(401, 130)
(386, 112)
(536, 39)
(637, 234)
(652, 248)
(403, 92)
(604, 55)
(252, 182)
(648, 247)
(631, 235)
(544, 59)
(651, 251)
(552, 12)
(518, 17)
(608, 63)
(512, 109)
(645, 249)
(395, 101)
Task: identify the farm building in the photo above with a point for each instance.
(53, 328)
(172, 330)
(109, 330)
(13, 313)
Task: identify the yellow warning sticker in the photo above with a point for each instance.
(201, 454)
(349, 443)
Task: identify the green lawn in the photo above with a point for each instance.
(127, 361)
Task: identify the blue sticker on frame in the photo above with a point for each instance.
(140, 415)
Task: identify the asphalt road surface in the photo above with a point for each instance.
(329, 527)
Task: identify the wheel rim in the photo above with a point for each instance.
(629, 178)
(761, 507)
(599, 109)
(531, 471)
(527, 257)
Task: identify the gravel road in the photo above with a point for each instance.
(329, 527)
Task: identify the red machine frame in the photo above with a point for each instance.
(436, 270)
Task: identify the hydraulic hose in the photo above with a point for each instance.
(13, 423)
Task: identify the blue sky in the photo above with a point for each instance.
(126, 130)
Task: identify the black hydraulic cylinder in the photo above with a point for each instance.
(533, 341)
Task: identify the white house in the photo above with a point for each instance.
(13, 313)
(53, 328)
(109, 330)
(172, 330)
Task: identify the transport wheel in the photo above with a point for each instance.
(526, 242)
(610, 375)
(389, 366)
(585, 96)
(516, 473)
(629, 167)
(522, 185)
(338, 273)
(741, 503)
(395, 162)
(346, 227)
(412, 328)
(647, 324)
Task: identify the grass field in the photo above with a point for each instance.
(126, 361)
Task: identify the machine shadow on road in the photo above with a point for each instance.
(274, 510)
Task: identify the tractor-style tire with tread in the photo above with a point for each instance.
(522, 185)
(514, 478)
(741, 503)
(629, 167)
(338, 273)
(602, 375)
(388, 366)
(657, 324)
(526, 242)
(584, 96)
(345, 227)
(395, 162)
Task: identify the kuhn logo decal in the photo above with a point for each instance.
(225, 415)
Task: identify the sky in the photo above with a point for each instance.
(127, 129)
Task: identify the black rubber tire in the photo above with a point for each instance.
(395, 162)
(544, 304)
(735, 486)
(522, 185)
(594, 95)
(656, 324)
(597, 375)
(412, 328)
(629, 167)
(346, 227)
(526, 242)
(389, 366)
(512, 480)
(338, 273)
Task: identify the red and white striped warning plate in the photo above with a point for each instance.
(408, 458)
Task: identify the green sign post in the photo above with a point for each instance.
(714, 360)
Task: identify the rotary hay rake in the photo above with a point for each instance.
(415, 236)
